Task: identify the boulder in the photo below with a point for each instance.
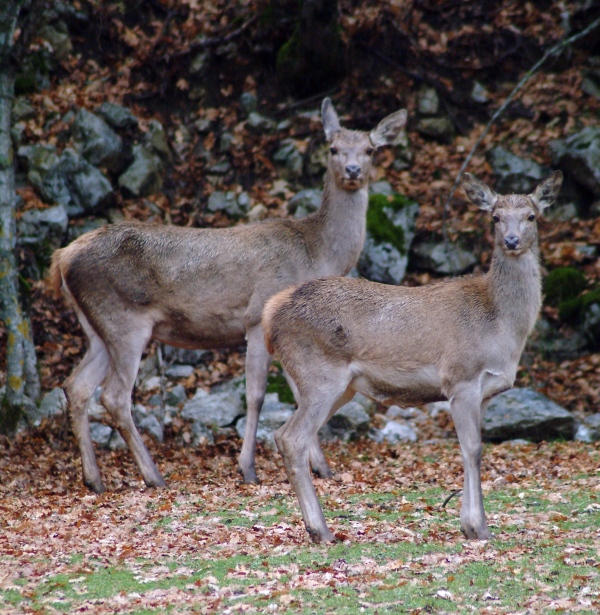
(57, 35)
(38, 159)
(442, 258)
(156, 139)
(229, 203)
(148, 422)
(272, 416)
(579, 156)
(145, 174)
(350, 421)
(180, 371)
(182, 356)
(525, 413)
(289, 156)
(76, 184)
(54, 402)
(393, 432)
(589, 430)
(390, 231)
(564, 344)
(89, 224)
(96, 141)
(428, 102)
(22, 110)
(117, 116)
(219, 409)
(248, 103)
(305, 202)
(101, 434)
(514, 174)
(439, 128)
(43, 227)
(259, 124)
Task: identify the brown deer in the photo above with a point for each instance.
(458, 340)
(205, 288)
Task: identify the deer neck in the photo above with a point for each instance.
(515, 288)
(339, 227)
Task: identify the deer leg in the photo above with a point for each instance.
(318, 462)
(257, 370)
(295, 440)
(79, 388)
(466, 410)
(116, 397)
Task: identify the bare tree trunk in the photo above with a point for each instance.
(22, 377)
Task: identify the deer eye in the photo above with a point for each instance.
(531, 217)
(333, 150)
(496, 219)
(370, 151)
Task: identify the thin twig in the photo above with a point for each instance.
(551, 52)
(453, 494)
(284, 108)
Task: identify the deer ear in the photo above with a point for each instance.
(479, 193)
(331, 122)
(388, 129)
(546, 192)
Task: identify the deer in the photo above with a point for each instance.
(205, 288)
(458, 340)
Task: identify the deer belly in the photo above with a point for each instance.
(407, 387)
(212, 332)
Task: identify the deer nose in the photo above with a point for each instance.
(511, 242)
(353, 171)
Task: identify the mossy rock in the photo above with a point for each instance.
(379, 219)
(563, 284)
(574, 310)
(276, 383)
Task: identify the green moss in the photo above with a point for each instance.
(563, 284)
(573, 310)
(276, 383)
(380, 226)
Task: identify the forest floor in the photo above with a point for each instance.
(208, 544)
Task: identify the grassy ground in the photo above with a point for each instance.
(209, 545)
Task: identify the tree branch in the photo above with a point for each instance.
(551, 52)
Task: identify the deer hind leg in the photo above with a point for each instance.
(467, 411)
(125, 355)
(257, 369)
(317, 401)
(318, 461)
(79, 388)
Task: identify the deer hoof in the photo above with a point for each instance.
(156, 482)
(249, 477)
(317, 536)
(95, 485)
(324, 472)
(472, 533)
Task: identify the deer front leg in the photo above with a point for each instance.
(257, 370)
(466, 410)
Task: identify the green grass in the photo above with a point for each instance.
(435, 571)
